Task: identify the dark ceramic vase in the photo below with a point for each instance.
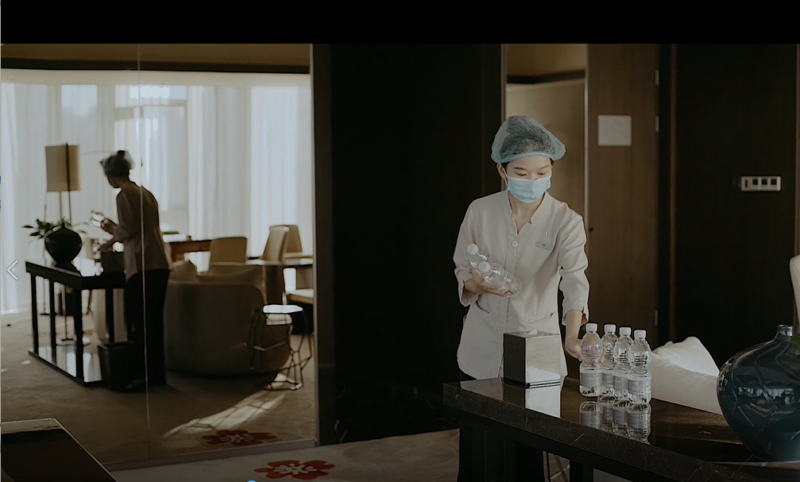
(759, 393)
(63, 245)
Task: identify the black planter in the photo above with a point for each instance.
(759, 394)
(63, 245)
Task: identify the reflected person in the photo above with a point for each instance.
(147, 269)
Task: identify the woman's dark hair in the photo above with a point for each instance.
(117, 164)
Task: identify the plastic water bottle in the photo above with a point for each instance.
(496, 275)
(476, 256)
(591, 371)
(639, 377)
(607, 364)
(621, 363)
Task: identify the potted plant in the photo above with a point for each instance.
(61, 242)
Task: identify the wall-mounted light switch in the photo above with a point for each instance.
(760, 183)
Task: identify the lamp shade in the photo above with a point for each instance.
(59, 178)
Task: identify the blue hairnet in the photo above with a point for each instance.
(520, 137)
(120, 164)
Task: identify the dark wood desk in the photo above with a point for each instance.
(684, 444)
(37, 450)
(70, 359)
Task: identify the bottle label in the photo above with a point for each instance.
(620, 416)
(639, 421)
(591, 379)
(591, 419)
(636, 388)
(620, 384)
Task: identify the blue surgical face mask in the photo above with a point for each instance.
(528, 191)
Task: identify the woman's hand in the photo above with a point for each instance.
(108, 226)
(479, 286)
(572, 345)
(108, 245)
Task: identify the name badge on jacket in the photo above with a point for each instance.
(544, 245)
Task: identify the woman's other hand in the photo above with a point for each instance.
(108, 245)
(479, 286)
(108, 226)
(572, 345)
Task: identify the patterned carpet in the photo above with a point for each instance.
(190, 415)
(428, 457)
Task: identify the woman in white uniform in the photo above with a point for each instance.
(535, 237)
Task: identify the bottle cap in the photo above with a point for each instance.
(625, 331)
(484, 267)
(640, 334)
(591, 327)
(473, 249)
(610, 328)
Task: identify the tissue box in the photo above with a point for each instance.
(532, 359)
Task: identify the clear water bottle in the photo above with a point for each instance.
(607, 364)
(513, 284)
(591, 415)
(639, 376)
(476, 255)
(591, 371)
(621, 363)
(496, 275)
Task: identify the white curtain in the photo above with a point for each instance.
(224, 154)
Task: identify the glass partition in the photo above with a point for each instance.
(227, 157)
(64, 330)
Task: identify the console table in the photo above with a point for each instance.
(70, 359)
(684, 444)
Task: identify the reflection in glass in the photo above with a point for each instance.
(639, 421)
(620, 407)
(226, 156)
(45, 108)
(633, 422)
(546, 400)
(591, 414)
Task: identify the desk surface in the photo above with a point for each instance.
(36, 450)
(89, 277)
(684, 444)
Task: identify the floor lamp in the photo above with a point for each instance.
(62, 163)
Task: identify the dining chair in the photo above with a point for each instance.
(304, 278)
(275, 249)
(228, 250)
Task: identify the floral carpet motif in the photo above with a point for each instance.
(296, 470)
(238, 438)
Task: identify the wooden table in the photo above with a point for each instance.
(70, 359)
(37, 450)
(273, 275)
(179, 248)
(684, 444)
